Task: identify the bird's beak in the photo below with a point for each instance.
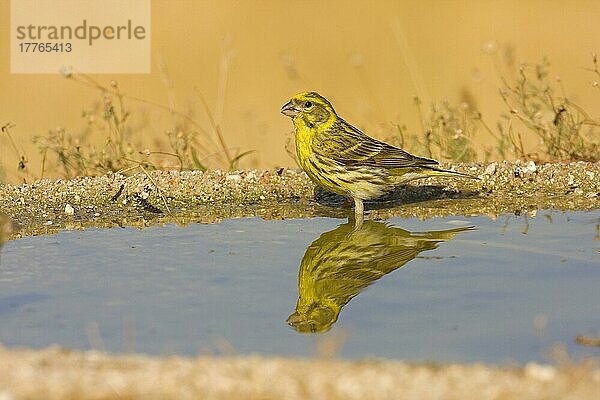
(289, 109)
(296, 318)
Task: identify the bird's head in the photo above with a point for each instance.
(316, 318)
(310, 108)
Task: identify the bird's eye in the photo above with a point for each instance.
(308, 104)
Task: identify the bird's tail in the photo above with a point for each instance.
(444, 172)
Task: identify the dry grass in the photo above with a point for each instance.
(113, 138)
(188, 142)
(536, 106)
(539, 105)
(447, 132)
(20, 157)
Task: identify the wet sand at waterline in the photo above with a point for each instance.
(192, 196)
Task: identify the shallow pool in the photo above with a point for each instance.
(447, 289)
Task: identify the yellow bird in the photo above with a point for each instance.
(340, 158)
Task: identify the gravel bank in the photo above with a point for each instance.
(192, 196)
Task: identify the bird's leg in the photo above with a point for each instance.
(359, 209)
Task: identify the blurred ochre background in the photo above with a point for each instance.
(370, 58)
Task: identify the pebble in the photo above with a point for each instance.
(531, 167)
(490, 169)
(69, 210)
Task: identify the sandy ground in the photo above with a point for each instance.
(47, 206)
(56, 373)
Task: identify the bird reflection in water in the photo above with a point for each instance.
(343, 262)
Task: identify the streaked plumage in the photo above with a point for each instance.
(343, 160)
(341, 263)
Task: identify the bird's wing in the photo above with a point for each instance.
(349, 146)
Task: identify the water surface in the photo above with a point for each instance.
(503, 290)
